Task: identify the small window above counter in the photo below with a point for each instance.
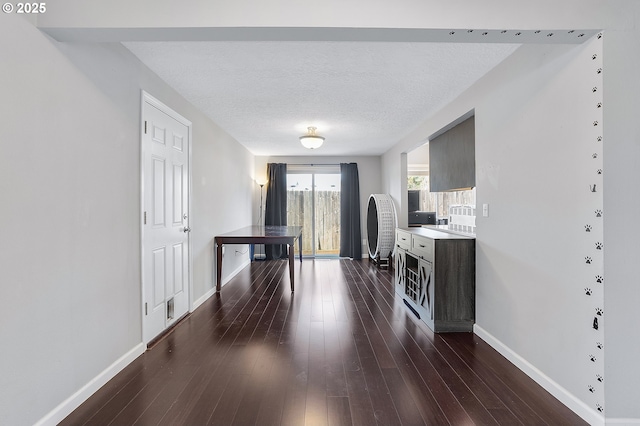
(441, 178)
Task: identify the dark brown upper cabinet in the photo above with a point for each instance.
(452, 158)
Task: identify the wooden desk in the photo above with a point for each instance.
(260, 235)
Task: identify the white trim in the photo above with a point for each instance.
(235, 272)
(146, 98)
(626, 422)
(203, 298)
(212, 291)
(141, 213)
(577, 406)
(329, 169)
(67, 406)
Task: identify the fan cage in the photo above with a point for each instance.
(381, 225)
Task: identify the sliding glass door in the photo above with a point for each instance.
(313, 202)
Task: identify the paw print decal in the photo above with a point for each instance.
(599, 345)
(587, 228)
(592, 389)
(595, 123)
(595, 325)
(598, 213)
(599, 312)
(587, 291)
(599, 279)
(599, 408)
(599, 378)
(594, 155)
(594, 90)
(592, 358)
(592, 188)
(599, 171)
(598, 246)
(588, 260)
(599, 139)
(599, 105)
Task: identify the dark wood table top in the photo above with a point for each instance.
(264, 232)
(257, 234)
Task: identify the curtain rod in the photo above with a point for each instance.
(314, 164)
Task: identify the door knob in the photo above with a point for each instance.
(187, 229)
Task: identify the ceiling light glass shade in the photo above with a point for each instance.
(311, 140)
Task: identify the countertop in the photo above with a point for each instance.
(439, 232)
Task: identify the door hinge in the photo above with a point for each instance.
(145, 218)
(145, 309)
(145, 127)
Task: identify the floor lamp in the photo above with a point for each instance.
(260, 221)
(260, 217)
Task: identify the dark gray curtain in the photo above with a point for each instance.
(350, 234)
(275, 210)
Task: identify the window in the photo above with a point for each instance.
(313, 202)
(439, 202)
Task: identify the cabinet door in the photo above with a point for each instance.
(400, 271)
(425, 271)
(403, 239)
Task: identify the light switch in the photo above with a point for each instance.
(485, 210)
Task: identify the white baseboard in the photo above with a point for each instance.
(212, 291)
(203, 298)
(236, 271)
(623, 422)
(577, 406)
(66, 407)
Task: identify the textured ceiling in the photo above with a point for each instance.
(362, 96)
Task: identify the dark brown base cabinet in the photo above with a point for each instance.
(435, 276)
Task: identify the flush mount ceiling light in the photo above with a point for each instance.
(311, 140)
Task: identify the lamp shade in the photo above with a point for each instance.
(311, 140)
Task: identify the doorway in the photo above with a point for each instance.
(313, 202)
(165, 199)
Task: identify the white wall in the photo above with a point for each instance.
(70, 211)
(622, 204)
(619, 17)
(222, 201)
(535, 141)
(368, 173)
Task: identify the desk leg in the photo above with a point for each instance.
(300, 247)
(218, 266)
(291, 248)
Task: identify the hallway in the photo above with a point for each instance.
(341, 350)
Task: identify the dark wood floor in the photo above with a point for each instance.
(341, 350)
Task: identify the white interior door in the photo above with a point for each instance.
(165, 240)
